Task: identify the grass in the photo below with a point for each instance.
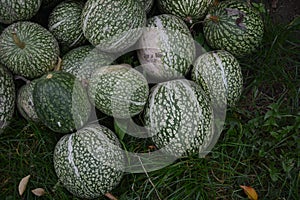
(259, 147)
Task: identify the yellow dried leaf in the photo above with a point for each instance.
(22, 185)
(38, 192)
(251, 193)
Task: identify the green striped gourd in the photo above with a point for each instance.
(179, 118)
(189, 10)
(90, 162)
(113, 25)
(166, 48)
(28, 49)
(64, 23)
(15, 10)
(25, 103)
(61, 102)
(234, 26)
(219, 73)
(118, 90)
(7, 97)
(83, 60)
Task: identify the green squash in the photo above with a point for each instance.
(83, 60)
(61, 102)
(112, 25)
(118, 90)
(234, 26)
(7, 97)
(28, 49)
(64, 23)
(179, 118)
(25, 103)
(14, 10)
(166, 48)
(189, 10)
(219, 73)
(90, 162)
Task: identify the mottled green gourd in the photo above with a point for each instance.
(61, 102)
(28, 49)
(166, 48)
(7, 97)
(83, 60)
(219, 73)
(64, 23)
(90, 162)
(25, 103)
(179, 118)
(234, 26)
(113, 25)
(189, 10)
(16, 10)
(118, 90)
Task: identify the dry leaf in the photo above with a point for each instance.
(22, 185)
(251, 193)
(38, 192)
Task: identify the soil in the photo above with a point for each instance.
(283, 11)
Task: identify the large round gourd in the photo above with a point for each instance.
(118, 90)
(64, 23)
(234, 26)
(16, 10)
(113, 25)
(61, 102)
(219, 73)
(189, 10)
(179, 118)
(83, 60)
(28, 49)
(166, 48)
(25, 103)
(7, 97)
(90, 162)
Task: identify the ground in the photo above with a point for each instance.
(283, 11)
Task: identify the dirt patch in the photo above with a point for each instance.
(283, 11)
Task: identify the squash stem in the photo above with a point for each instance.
(189, 20)
(58, 65)
(17, 41)
(215, 2)
(214, 18)
(110, 196)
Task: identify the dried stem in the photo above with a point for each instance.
(214, 18)
(216, 2)
(17, 40)
(58, 65)
(189, 19)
